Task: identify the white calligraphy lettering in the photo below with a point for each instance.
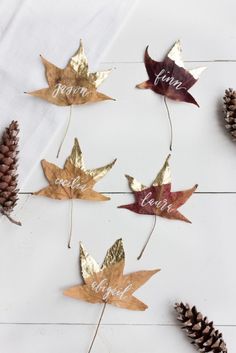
(161, 204)
(73, 183)
(107, 290)
(165, 76)
(69, 90)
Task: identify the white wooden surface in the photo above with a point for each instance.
(197, 260)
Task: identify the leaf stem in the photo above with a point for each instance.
(97, 328)
(149, 237)
(170, 122)
(71, 224)
(66, 131)
(10, 218)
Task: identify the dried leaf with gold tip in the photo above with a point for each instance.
(73, 181)
(107, 284)
(74, 84)
(158, 199)
(169, 77)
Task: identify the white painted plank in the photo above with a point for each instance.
(207, 30)
(196, 260)
(113, 339)
(135, 130)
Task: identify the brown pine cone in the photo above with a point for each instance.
(8, 167)
(204, 337)
(230, 111)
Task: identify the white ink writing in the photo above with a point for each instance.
(72, 183)
(70, 90)
(161, 204)
(107, 290)
(165, 76)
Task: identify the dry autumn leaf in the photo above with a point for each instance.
(74, 84)
(169, 77)
(158, 199)
(107, 284)
(73, 181)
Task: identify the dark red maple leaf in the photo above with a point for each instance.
(158, 199)
(169, 77)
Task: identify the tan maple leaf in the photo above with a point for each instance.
(74, 181)
(74, 84)
(108, 284)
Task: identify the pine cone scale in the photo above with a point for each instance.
(230, 111)
(8, 168)
(204, 337)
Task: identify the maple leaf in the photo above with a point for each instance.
(73, 181)
(108, 284)
(158, 199)
(74, 84)
(169, 77)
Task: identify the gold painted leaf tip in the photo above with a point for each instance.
(196, 72)
(175, 54)
(119, 242)
(82, 250)
(114, 161)
(128, 176)
(164, 175)
(76, 141)
(115, 254)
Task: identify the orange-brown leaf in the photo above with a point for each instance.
(73, 181)
(74, 84)
(108, 284)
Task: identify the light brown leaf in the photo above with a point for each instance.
(74, 181)
(108, 284)
(74, 84)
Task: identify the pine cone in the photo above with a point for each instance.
(8, 166)
(204, 337)
(230, 111)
